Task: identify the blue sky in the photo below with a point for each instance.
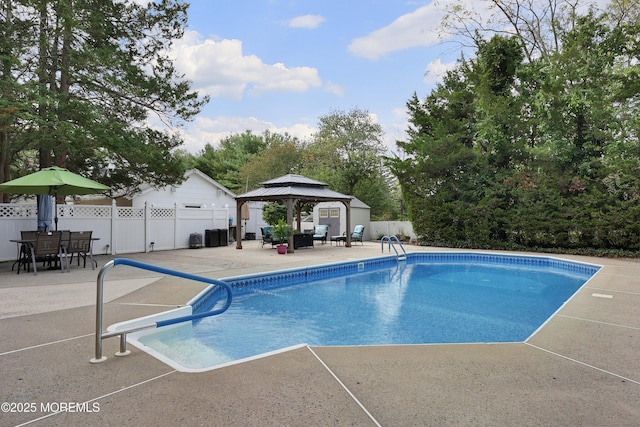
(282, 64)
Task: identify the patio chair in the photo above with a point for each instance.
(28, 235)
(47, 248)
(358, 233)
(267, 235)
(24, 252)
(320, 233)
(65, 235)
(80, 244)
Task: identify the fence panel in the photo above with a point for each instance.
(88, 218)
(197, 221)
(13, 219)
(161, 228)
(388, 228)
(129, 230)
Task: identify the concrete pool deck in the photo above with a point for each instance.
(581, 368)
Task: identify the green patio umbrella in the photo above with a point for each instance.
(54, 181)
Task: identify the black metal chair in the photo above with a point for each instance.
(267, 235)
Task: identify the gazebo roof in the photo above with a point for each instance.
(293, 180)
(296, 187)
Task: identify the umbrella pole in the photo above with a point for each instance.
(55, 207)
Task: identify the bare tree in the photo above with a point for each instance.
(539, 24)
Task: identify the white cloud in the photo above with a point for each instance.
(205, 130)
(306, 21)
(221, 69)
(396, 128)
(334, 88)
(301, 131)
(279, 78)
(436, 70)
(418, 28)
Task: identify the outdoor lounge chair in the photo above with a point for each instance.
(320, 233)
(357, 234)
(268, 237)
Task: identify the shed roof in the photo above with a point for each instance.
(147, 188)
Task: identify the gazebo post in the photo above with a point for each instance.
(347, 242)
(290, 248)
(298, 215)
(239, 226)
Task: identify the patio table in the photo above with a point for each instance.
(23, 249)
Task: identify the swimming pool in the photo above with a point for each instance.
(430, 298)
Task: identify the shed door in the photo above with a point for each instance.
(331, 217)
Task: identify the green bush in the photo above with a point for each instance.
(274, 212)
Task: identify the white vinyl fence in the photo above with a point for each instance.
(121, 230)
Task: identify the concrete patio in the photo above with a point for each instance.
(581, 368)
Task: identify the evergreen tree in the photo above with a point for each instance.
(90, 76)
(539, 154)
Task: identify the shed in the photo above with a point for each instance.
(334, 214)
(198, 190)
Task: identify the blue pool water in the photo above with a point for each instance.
(443, 298)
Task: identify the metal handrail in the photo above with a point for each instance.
(390, 239)
(123, 333)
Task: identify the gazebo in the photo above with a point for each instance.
(293, 191)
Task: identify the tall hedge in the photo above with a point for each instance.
(530, 155)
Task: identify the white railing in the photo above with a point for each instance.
(120, 230)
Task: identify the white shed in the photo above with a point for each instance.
(196, 191)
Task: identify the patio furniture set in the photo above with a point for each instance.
(320, 233)
(54, 248)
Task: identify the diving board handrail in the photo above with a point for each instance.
(390, 239)
(123, 333)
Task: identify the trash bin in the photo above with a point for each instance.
(223, 238)
(211, 238)
(195, 240)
